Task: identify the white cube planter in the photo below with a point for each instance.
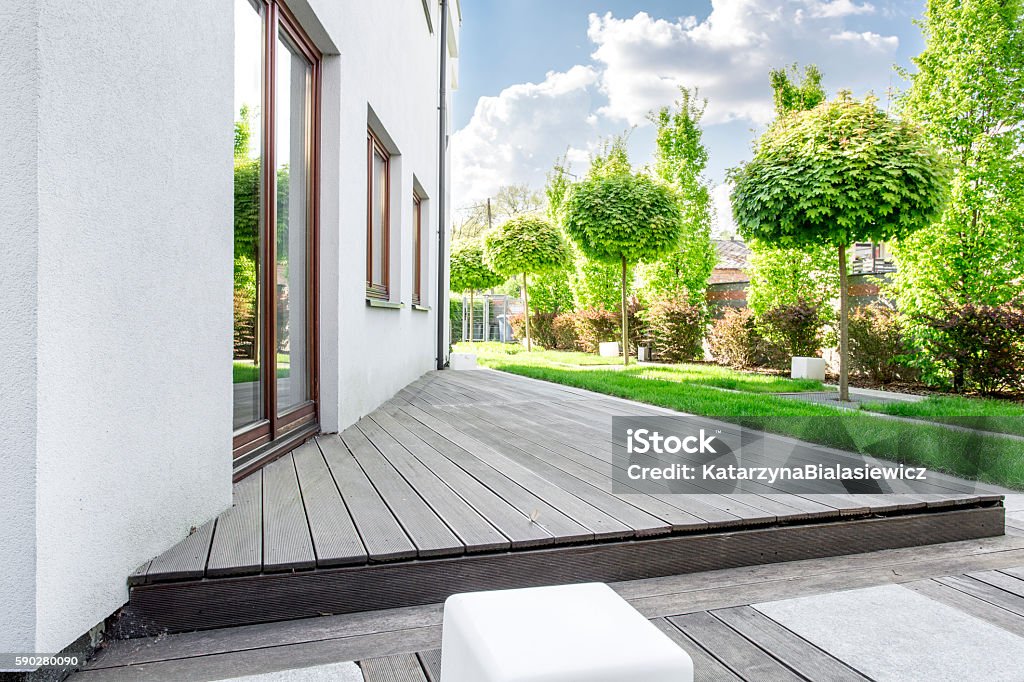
(564, 633)
(608, 349)
(643, 354)
(808, 368)
(462, 361)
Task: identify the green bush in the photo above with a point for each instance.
(675, 330)
(564, 331)
(796, 328)
(455, 318)
(878, 344)
(980, 346)
(735, 341)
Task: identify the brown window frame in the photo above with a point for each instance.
(278, 433)
(378, 290)
(417, 240)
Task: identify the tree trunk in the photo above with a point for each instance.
(625, 318)
(471, 316)
(844, 330)
(526, 307)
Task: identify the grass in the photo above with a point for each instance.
(245, 371)
(976, 413)
(988, 458)
(707, 375)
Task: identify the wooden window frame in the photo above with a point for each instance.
(378, 290)
(278, 433)
(417, 239)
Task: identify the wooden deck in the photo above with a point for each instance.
(481, 480)
(708, 614)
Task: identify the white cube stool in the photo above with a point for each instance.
(808, 368)
(608, 349)
(571, 633)
(462, 361)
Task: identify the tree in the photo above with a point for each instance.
(967, 94)
(837, 174)
(623, 218)
(526, 245)
(680, 160)
(470, 272)
(793, 91)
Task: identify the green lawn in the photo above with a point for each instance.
(989, 458)
(978, 413)
(244, 371)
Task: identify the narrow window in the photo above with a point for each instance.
(378, 218)
(417, 253)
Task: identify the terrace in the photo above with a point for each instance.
(485, 480)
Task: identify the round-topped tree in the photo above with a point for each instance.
(471, 273)
(526, 245)
(837, 174)
(623, 218)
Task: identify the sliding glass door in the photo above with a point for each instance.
(275, 229)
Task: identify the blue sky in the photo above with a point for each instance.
(540, 77)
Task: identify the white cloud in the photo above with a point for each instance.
(638, 64)
(876, 41)
(838, 8)
(723, 225)
(516, 136)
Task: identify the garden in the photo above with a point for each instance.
(623, 254)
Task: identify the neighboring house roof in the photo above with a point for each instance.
(732, 254)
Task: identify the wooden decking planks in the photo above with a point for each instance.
(480, 465)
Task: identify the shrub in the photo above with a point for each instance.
(796, 328)
(564, 330)
(735, 341)
(675, 329)
(594, 326)
(544, 329)
(455, 318)
(878, 344)
(980, 346)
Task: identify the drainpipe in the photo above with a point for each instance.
(442, 109)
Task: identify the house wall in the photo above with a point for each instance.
(385, 72)
(18, 258)
(130, 405)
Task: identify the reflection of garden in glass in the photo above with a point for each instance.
(245, 371)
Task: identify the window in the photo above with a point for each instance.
(417, 249)
(378, 218)
(276, 179)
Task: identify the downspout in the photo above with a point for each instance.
(442, 109)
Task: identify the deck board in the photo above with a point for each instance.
(237, 547)
(287, 544)
(336, 541)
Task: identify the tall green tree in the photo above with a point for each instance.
(796, 90)
(968, 95)
(526, 245)
(837, 174)
(618, 217)
(469, 272)
(680, 161)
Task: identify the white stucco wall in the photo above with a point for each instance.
(130, 405)
(386, 62)
(18, 247)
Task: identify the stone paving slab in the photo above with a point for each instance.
(893, 633)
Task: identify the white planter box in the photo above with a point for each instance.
(643, 354)
(460, 361)
(808, 368)
(565, 633)
(608, 349)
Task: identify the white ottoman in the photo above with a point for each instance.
(460, 361)
(807, 368)
(608, 349)
(570, 633)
